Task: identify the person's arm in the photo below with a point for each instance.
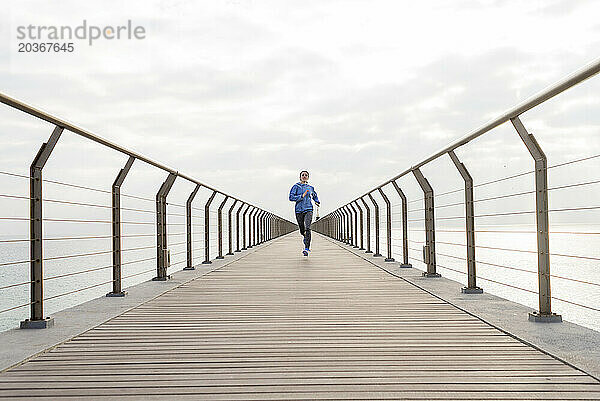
(294, 197)
(315, 197)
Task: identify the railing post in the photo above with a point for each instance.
(355, 224)
(348, 225)
(162, 252)
(376, 225)
(335, 225)
(541, 208)
(117, 290)
(429, 249)
(257, 227)
(405, 263)
(368, 223)
(188, 228)
(237, 228)
(244, 227)
(37, 320)
(342, 226)
(251, 226)
(361, 227)
(261, 225)
(471, 287)
(220, 226)
(207, 229)
(388, 226)
(230, 228)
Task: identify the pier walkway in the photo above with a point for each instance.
(274, 325)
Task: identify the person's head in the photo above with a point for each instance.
(304, 176)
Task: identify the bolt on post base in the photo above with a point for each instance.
(116, 294)
(162, 278)
(389, 260)
(431, 275)
(405, 266)
(220, 257)
(206, 262)
(474, 290)
(38, 324)
(537, 318)
(189, 268)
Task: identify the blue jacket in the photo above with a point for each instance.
(303, 204)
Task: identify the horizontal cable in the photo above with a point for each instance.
(175, 204)
(14, 174)
(138, 249)
(76, 203)
(138, 197)
(76, 238)
(15, 218)
(138, 261)
(77, 186)
(448, 205)
(78, 255)
(490, 280)
(14, 196)
(78, 290)
(575, 303)
(138, 274)
(178, 243)
(579, 184)
(129, 209)
(574, 209)
(176, 214)
(510, 177)
(15, 263)
(16, 307)
(6, 241)
(97, 237)
(574, 161)
(78, 272)
(16, 285)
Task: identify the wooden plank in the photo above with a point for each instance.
(278, 326)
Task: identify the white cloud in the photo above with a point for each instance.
(354, 91)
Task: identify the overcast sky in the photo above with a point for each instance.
(244, 94)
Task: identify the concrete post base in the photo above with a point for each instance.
(116, 294)
(537, 318)
(475, 290)
(38, 324)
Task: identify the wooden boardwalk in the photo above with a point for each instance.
(274, 325)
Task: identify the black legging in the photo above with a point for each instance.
(304, 221)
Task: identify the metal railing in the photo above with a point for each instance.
(341, 224)
(259, 227)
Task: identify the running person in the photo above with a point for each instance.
(302, 193)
